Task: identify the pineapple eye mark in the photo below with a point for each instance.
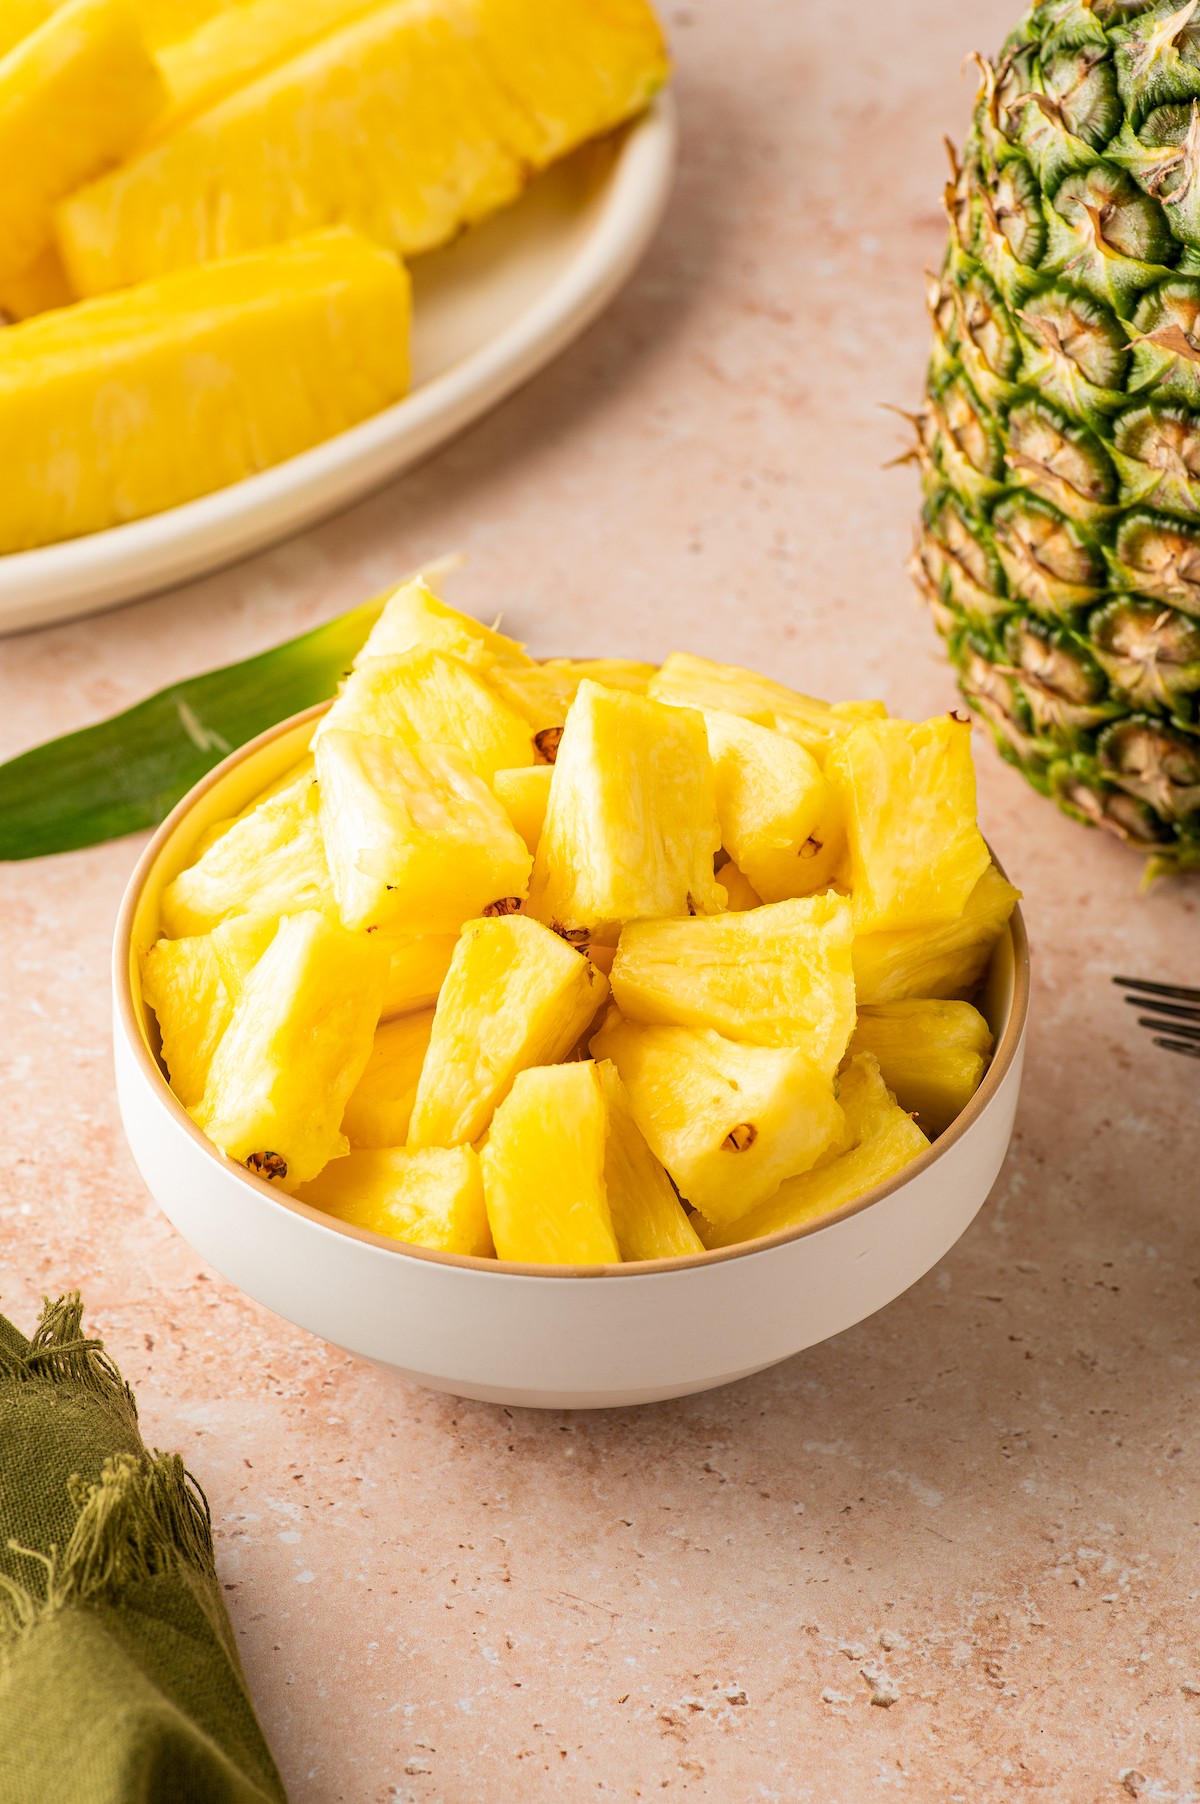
(547, 743)
(964, 720)
(579, 937)
(507, 905)
(811, 847)
(267, 1165)
(691, 904)
(741, 1138)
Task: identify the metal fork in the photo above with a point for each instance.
(1176, 1013)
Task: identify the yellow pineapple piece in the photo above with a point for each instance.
(38, 289)
(631, 826)
(516, 995)
(780, 820)
(544, 692)
(935, 961)
(543, 1170)
(436, 699)
(779, 975)
(271, 862)
(381, 1103)
(297, 1044)
(74, 94)
(908, 795)
(739, 891)
(419, 963)
(883, 1141)
(414, 619)
(193, 986)
(525, 795)
(429, 1199)
(932, 1055)
(647, 1217)
(690, 682)
(103, 417)
(162, 21)
(416, 842)
(20, 17)
(397, 124)
(730, 1122)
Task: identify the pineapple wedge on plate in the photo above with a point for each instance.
(296, 1045)
(647, 1217)
(779, 975)
(430, 1199)
(882, 1140)
(730, 1122)
(543, 1170)
(932, 1055)
(193, 986)
(380, 1105)
(414, 619)
(416, 842)
(944, 961)
(434, 698)
(631, 824)
(516, 995)
(270, 862)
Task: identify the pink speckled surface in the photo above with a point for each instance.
(989, 1493)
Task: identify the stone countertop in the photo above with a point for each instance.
(985, 1499)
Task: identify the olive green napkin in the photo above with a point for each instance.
(119, 1678)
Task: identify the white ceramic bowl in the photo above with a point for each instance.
(548, 1337)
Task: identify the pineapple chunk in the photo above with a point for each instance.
(114, 409)
(932, 1054)
(525, 796)
(162, 21)
(631, 826)
(544, 692)
(740, 892)
(779, 975)
(296, 1046)
(543, 1170)
(74, 94)
(648, 1219)
(780, 819)
(413, 619)
(20, 17)
(883, 1141)
(397, 124)
(271, 862)
(436, 699)
(516, 995)
(430, 1199)
(419, 963)
(908, 793)
(730, 1122)
(193, 986)
(935, 961)
(381, 1103)
(690, 682)
(416, 842)
(38, 289)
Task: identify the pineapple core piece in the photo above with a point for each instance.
(416, 842)
(74, 95)
(419, 963)
(690, 682)
(932, 1054)
(647, 1216)
(414, 619)
(543, 1170)
(381, 1103)
(122, 407)
(270, 862)
(908, 792)
(516, 995)
(525, 796)
(730, 1122)
(193, 986)
(296, 1046)
(631, 826)
(883, 1140)
(935, 961)
(779, 975)
(430, 1199)
(780, 819)
(407, 123)
(436, 699)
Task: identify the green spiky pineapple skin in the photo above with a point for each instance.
(1059, 442)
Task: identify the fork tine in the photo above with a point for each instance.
(1188, 1050)
(1176, 991)
(1179, 1010)
(1170, 1027)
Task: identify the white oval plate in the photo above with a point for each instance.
(489, 311)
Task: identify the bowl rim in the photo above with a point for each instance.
(127, 1006)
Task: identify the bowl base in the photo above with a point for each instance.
(567, 1399)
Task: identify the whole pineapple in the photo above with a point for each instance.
(1059, 441)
